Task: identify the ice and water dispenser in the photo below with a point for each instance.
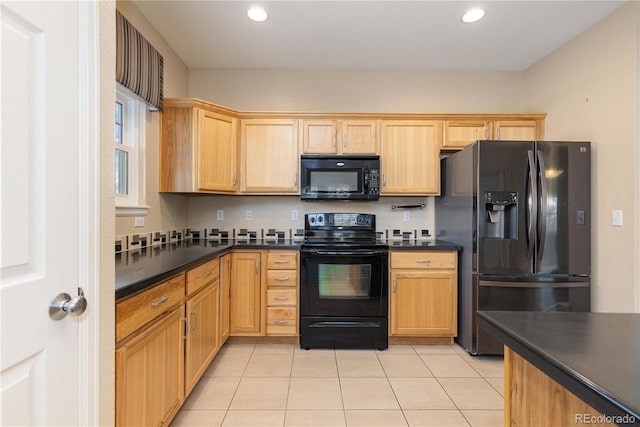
(501, 218)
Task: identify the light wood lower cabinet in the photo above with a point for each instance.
(203, 333)
(282, 293)
(246, 293)
(150, 372)
(225, 293)
(424, 293)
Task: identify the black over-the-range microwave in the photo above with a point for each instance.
(339, 177)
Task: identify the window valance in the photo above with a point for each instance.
(139, 65)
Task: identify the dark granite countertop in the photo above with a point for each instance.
(596, 356)
(136, 270)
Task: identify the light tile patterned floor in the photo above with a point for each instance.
(283, 385)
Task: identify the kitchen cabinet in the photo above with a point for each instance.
(198, 148)
(457, 134)
(202, 321)
(423, 293)
(339, 137)
(270, 161)
(150, 355)
(246, 293)
(410, 158)
(282, 293)
(225, 290)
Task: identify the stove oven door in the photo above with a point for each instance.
(344, 283)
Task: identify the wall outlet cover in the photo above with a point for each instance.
(220, 215)
(407, 216)
(248, 215)
(616, 218)
(294, 214)
(138, 221)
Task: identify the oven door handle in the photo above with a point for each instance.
(345, 325)
(374, 252)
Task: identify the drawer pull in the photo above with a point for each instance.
(160, 301)
(280, 321)
(281, 279)
(282, 261)
(207, 274)
(423, 261)
(281, 298)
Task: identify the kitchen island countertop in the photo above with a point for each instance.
(596, 356)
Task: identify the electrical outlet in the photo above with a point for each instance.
(294, 214)
(407, 216)
(616, 218)
(220, 215)
(138, 221)
(248, 215)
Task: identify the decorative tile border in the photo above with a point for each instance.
(396, 234)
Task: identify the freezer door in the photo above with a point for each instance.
(505, 219)
(526, 296)
(564, 215)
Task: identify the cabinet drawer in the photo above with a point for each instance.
(424, 259)
(282, 277)
(282, 321)
(135, 312)
(201, 275)
(282, 260)
(277, 297)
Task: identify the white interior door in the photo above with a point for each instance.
(44, 80)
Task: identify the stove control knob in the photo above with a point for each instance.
(312, 219)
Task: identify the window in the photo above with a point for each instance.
(129, 145)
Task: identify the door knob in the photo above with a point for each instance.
(63, 304)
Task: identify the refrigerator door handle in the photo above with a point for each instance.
(532, 200)
(498, 284)
(542, 222)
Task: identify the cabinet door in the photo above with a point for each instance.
(225, 285)
(150, 374)
(359, 137)
(411, 157)
(516, 130)
(423, 302)
(203, 333)
(460, 133)
(319, 137)
(245, 293)
(217, 154)
(270, 156)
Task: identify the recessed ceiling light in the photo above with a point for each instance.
(473, 15)
(257, 14)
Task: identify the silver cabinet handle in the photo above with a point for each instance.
(395, 287)
(280, 321)
(160, 301)
(281, 298)
(295, 180)
(63, 304)
(281, 279)
(207, 274)
(257, 267)
(335, 137)
(235, 178)
(282, 261)
(345, 140)
(498, 132)
(186, 327)
(486, 132)
(195, 320)
(423, 261)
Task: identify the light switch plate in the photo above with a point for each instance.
(138, 221)
(220, 215)
(294, 214)
(616, 218)
(248, 215)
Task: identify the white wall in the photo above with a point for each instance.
(589, 88)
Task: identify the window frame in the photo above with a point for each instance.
(134, 143)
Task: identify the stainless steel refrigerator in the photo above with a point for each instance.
(522, 212)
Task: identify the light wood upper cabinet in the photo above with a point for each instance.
(410, 157)
(198, 149)
(246, 293)
(339, 137)
(457, 134)
(424, 293)
(516, 130)
(270, 163)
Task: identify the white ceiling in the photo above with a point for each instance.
(383, 35)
